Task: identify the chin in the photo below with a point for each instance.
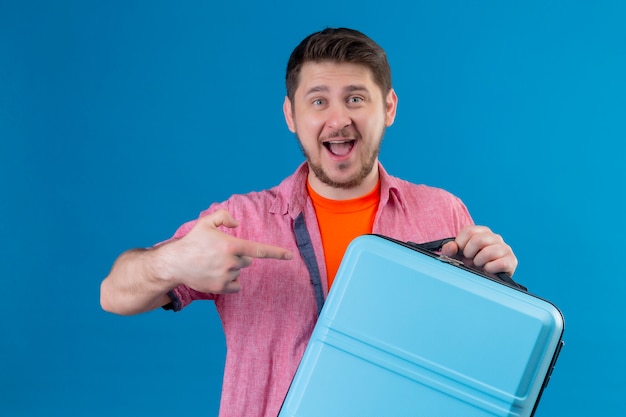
(343, 181)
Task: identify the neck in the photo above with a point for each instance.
(337, 193)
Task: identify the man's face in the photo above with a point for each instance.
(339, 117)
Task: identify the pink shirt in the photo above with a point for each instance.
(268, 323)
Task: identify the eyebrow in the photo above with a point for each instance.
(324, 89)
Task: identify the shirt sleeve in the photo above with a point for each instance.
(182, 296)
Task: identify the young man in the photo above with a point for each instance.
(339, 102)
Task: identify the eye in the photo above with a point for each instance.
(355, 99)
(318, 102)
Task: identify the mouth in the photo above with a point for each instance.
(339, 147)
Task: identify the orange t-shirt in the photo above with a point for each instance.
(340, 221)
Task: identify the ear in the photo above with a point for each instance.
(391, 105)
(288, 112)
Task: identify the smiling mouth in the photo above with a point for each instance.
(340, 147)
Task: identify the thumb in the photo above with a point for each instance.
(222, 218)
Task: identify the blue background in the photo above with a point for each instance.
(121, 120)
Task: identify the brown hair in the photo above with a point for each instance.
(339, 45)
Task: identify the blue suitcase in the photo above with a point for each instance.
(405, 332)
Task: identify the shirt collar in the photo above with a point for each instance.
(292, 196)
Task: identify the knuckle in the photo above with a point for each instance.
(260, 252)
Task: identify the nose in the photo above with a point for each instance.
(338, 117)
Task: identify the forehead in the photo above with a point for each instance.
(334, 76)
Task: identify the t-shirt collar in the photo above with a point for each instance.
(292, 194)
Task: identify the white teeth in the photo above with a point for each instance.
(339, 147)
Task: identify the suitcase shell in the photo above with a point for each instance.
(404, 334)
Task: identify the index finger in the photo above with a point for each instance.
(469, 233)
(450, 249)
(262, 250)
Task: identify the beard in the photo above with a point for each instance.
(367, 164)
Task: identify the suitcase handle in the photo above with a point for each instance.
(436, 245)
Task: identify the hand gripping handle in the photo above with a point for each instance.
(436, 245)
